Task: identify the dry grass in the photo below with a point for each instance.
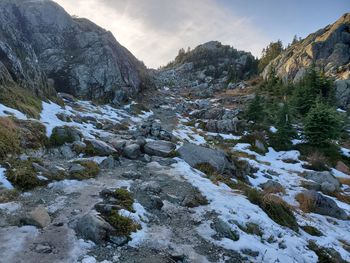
(9, 137)
(345, 181)
(306, 203)
(317, 161)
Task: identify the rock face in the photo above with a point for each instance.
(328, 48)
(326, 181)
(42, 44)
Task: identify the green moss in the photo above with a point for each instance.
(277, 209)
(123, 226)
(58, 138)
(22, 100)
(90, 149)
(124, 198)
(22, 175)
(9, 137)
(312, 231)
(91, 171)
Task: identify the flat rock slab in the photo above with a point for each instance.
(159, 148)
(195, 155)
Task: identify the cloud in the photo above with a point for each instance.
(154, 30)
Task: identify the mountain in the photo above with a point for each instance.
(328, 48)
(208, 67)
(43, 49)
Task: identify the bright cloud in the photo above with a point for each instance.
(154, 30)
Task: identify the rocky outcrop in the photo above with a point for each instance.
(328, 48)
(41, 44)
(207, 68)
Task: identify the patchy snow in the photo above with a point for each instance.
(273, 129)
(10, 207)
(68, 186)
(6, 111)
(3, 180)
(345, 152)
(341, 110)
(232, 206)
(224, 136)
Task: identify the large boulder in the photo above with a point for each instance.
(159, 148)
(327, 182)
(94, 228)
(320, 204)
(196, 155)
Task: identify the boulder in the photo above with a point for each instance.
(224, 230)
(321, 204)
(132, 151)
(94, 228)
(272, 187)
(328, 183)
(37, 217)
(159, 148)
(109, 163)
(195, 155)
(97, 147)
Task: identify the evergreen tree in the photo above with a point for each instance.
(269, 53)
(281, 140)
(313, 85)
(322, 124)
(255, 111)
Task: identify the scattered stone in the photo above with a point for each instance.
(194, 200)
(272, 187)
(38, 217)
(224, 230)
(132, 175)
(43, 249)
(312, 201)
(159, 148)
(132, 151)
(94, 228)
(97, 147)
(109, 163)
(328, 183)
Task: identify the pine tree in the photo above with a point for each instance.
(269, 53)
(255, 111)
(322, 124)
(281, 140)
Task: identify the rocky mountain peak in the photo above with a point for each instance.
(328, 48)
(42, 43)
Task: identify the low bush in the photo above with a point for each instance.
(22, 175)
(61, 135)
(124, 198)
(123, 226)
(91, 170)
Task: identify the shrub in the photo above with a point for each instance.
(23, 176)
(9, 137)
(123, 226)
(277, 209)
(61, 135)
(124, 198)
(91, 171)
(255, 110)
(8, 196)
(322, 124)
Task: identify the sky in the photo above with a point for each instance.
(154, 30)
